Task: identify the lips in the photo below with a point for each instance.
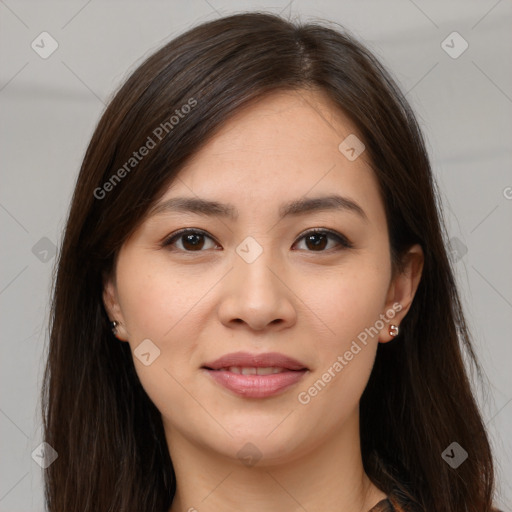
(255, 375)
(246, 360)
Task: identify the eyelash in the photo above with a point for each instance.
(343, 242)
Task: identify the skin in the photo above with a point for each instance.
(296, 299)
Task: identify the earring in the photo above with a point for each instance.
(394, 330)
(113, 326)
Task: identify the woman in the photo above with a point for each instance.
(254, 308)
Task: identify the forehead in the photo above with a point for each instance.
(295, 123)
(283, 146)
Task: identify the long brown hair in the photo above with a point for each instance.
(108, 434)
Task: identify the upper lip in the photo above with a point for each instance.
(247, 360)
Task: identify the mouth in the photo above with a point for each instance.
(255, 375)
(247, 370)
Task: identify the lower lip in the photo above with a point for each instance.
(256, 386)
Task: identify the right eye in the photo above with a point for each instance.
(188, 240)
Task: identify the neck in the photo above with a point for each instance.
(326, 478)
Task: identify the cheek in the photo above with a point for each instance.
(159, 306)
(350, 302)
(166, 306)
(156, 300)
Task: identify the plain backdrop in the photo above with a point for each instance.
(50, 106)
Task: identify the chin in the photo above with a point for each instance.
(268, 441)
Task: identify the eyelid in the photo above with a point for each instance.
(342, 240)
(168, 240)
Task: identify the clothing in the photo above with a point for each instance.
(396, 501)
(384, 506)
(393, 506)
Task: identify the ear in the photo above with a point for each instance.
(402, 290)
(111, 303)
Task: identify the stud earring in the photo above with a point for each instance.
(113, 326)
(394, 330)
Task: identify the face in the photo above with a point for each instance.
(286, 279)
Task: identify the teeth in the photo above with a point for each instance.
(254, 371)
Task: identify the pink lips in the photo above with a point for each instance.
(256, 375)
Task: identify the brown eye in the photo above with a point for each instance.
(318, 241)
(189, 240)
(192, 241)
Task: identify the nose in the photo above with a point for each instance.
(254, 295)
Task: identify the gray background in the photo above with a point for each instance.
(50, 107)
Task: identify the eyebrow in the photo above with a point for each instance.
(292, 208)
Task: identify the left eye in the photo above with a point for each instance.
(318, 240)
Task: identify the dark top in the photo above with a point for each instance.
(395, 502)
(385, 506)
